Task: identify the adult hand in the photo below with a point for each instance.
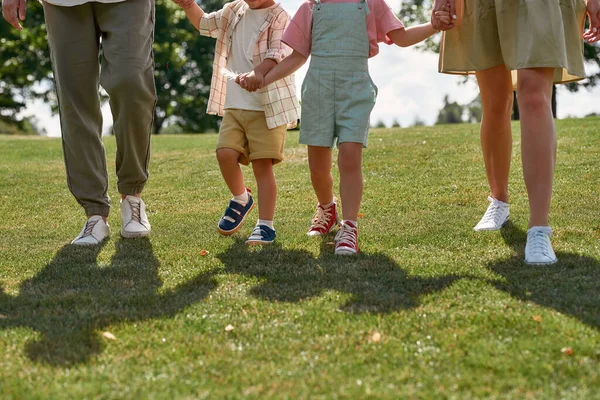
(13, 10)
(185, 4)
(593, 11)
(441, 5)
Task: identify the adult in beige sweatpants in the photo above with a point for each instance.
(124, 31)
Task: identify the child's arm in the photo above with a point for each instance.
(286, 67)
(415, 34)
(253, 80)
(193, 12)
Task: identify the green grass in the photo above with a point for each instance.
(460, 315)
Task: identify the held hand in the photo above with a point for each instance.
(442, 17)
(251, 81)
(443, 6)
(185, 4)
(593, 11)
(13, 10)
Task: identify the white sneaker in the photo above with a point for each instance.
(538, 250)
(94, 232)
(135, 220)
(495, 216)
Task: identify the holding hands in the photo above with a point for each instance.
(443, 15)
(593, 11)
(185, 4)
(251, 81)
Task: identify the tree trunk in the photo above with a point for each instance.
(516, 116)
(554, 101)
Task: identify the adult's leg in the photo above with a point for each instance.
(73, 39)
(495, 86)
(538, 140)
(127, 74)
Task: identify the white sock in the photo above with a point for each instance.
(241, 198)
(265, 222)
(355, 223)
(328, 205)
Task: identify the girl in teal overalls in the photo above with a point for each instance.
(338, 96)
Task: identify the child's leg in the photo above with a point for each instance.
(230, 170)
(351, 182)
(319, 163)
(495, 86)
(267, 188)
(538, 138)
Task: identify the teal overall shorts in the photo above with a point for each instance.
(338, 94)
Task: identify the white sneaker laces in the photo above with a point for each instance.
(346, 236)
(538, 242)
(321, 218)
(493, 213)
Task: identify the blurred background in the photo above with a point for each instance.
(411, 92)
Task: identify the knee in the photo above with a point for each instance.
(124, 84)
(348, 163)
(533, 97)
(499, 107)
(227, 156)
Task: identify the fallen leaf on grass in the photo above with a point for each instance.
(376, 337)
(537, 318)
(361, 215)
(567, 351)
(229, 328)
(108, 335)
(203, 252)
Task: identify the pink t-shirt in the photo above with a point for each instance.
(380, 20)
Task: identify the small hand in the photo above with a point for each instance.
(593, 11)
(251, 81)
(13, 10)
(443, 6)
(185, 4)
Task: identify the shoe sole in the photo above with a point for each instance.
(541, 263)
(133, 235)
(491, 229)
(256, 242)
(345, 252)
(237, 228)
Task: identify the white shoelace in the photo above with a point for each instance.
(347, 236)
(537, 242)
(321, 218)
(493, 213)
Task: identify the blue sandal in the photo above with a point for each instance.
(234, 216)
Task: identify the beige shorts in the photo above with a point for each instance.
(247, 132)
(519, 34)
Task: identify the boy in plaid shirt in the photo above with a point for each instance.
(254, 125)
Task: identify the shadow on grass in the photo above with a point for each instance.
(73, 298)
(375, 282)
(571, 286)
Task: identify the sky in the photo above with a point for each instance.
(409, 87)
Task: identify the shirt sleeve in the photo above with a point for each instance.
(386, 21)
(298, 34)
(276, 49)
(210, 23)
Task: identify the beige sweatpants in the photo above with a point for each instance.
(125, 71)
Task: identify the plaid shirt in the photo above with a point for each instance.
(279, 98)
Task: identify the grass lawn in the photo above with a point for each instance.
(430, 309)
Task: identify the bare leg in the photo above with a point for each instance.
(495, 86)
(267, 188)
(538, 137)
(351, 182)
(319, 162)
(230, 170)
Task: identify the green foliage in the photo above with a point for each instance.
(183, 68)
(24, 61)
(451, 113)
